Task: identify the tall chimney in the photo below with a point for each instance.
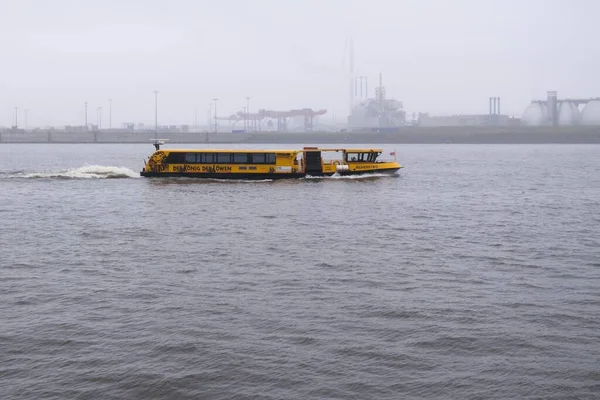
(351, 65)
(498, 105)
(552, 104)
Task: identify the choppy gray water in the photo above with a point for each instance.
(475, 273)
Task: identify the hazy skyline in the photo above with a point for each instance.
(441, 57)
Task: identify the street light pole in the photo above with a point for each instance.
(156, 114)
(247, 113)
(245, 122)
(209, 116)
(99, 116)
(195, 119)
(216, 127)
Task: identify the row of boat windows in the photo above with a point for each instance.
(221, 158)
(362, 157)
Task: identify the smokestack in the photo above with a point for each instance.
(351, 75)
(361, 86)
(498, 105)
(366, 89)
(490, 106)
(552, 104)
(494, 105)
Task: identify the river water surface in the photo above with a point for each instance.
(473, 273)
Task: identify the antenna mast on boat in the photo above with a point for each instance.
(158, 142)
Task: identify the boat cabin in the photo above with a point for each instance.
(361, 156)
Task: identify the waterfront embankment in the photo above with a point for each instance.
(409, 135)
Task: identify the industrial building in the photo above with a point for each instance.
(554, 111)
(378, 114)
(492, 118)
(293, 120)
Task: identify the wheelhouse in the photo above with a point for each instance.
(361, 156)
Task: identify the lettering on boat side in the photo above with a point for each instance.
(370, 166)
(201, 168)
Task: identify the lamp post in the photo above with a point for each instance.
(216, 127)
(156, 114)
(195, 119)
(99, 117)
(245, 122)
(247, 114)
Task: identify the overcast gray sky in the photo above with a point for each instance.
(437, 56)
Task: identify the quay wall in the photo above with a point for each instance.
(416, 135)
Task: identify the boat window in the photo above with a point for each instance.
(190, 158)
(240, 158)
(223, 158)
(206, 158)
(362, 157)
(263, 158)
(175, 158)
(258, 158)
(352, 157)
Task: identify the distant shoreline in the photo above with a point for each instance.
(409, 135)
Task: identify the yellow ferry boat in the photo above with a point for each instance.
(264, 164)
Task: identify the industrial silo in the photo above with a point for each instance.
(536, 114)
(591, 113)
(568, 113)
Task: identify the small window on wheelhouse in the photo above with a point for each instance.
(352, 157)
(373, 156)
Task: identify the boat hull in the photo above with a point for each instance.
(259, 176)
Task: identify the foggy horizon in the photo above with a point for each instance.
(436, 57)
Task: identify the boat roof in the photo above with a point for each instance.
(348, 150)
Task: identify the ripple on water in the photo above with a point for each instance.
(470, 276)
